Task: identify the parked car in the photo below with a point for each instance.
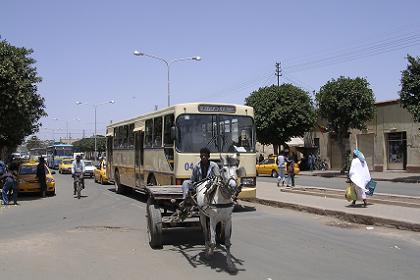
(100, 173)
(65, 166)
(89, 169)
(269, 167)
(28, 182)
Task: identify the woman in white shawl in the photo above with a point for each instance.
(359, 176)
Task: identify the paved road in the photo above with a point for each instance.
(103, 236)
(410, 189)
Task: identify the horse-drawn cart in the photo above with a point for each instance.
(162, 206)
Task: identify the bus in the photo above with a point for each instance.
(58, 152)
(161, 148)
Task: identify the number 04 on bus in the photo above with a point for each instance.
(161, 148)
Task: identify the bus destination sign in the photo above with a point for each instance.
(216, 108)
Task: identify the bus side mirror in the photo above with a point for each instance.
(174, 133)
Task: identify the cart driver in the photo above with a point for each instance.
(203, 169)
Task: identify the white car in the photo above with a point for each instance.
(89, 169)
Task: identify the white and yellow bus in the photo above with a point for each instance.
(161, 148)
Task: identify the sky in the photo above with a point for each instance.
(84, 51)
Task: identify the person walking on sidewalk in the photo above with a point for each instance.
(290, 171)
(9, 180)
(359, 176)
(280, 163)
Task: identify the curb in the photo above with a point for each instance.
(395, 180)
(353, 218)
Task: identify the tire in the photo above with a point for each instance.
(274, 174)
(119, 189)
(257, 174)
(154, 225)
(59, 171)
(152, 181)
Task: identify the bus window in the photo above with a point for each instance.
(169, 122)
(157, 132)
(148, 133)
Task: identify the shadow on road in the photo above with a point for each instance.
(216, 262)
(133, 194)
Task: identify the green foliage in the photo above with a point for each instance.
(346, 103)
(281, 112)
(88, 144)
(21, 105)
(34, 142)
(410, 87)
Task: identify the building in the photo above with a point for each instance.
(390, 142)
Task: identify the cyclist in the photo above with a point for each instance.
(77, 171)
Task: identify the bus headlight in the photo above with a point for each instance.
(248, 181)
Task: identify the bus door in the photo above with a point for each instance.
(139, 158)
(109, 147)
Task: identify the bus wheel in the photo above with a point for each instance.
(118, 187)
(152, 181)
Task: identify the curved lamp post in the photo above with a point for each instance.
(95, 106)
(168, 66)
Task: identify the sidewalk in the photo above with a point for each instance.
(375, 214)
(393, 176)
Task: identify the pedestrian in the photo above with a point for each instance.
(280, 163)
(311, 162)
(290, 171)
(261, 158)
(9, 180)
(359, 176)
(42, 177)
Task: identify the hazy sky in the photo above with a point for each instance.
(84, 50)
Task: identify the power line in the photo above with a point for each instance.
(365, 51)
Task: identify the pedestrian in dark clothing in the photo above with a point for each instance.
(290, 171)
(42, 177)
(261, 158)
(9, 180)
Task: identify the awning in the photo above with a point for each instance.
(295, 142)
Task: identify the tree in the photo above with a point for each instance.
(21, 106)
(345, 104)
(281, 112)
(410, 87)
(34, 142)
(88, 144)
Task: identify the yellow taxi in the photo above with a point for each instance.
(28, 182)
(100, 173)
(269, 167)
(65, 166)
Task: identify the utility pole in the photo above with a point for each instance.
(278, 72)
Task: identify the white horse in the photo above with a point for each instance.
(215, 200)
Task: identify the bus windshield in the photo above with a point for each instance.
(219, 133)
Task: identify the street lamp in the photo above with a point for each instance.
(168, 65)
(95, 106)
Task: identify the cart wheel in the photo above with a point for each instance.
(154, 226)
